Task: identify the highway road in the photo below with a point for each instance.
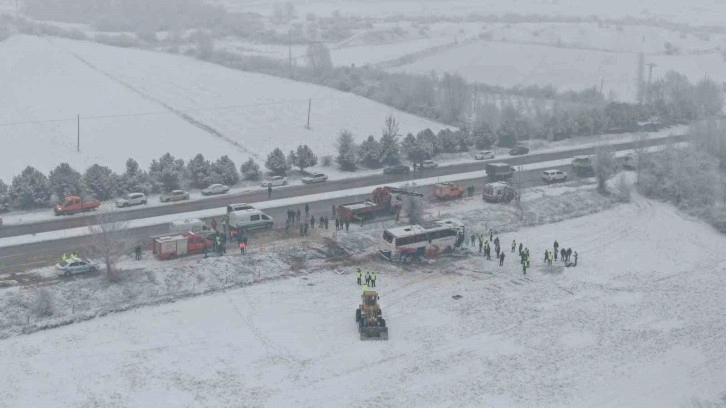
(221, 201)
(20, 258)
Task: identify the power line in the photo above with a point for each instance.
(122, 115)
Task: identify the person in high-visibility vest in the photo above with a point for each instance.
(74, 254)
(373, 279)
(64, 257)
(365, 288)
(368, 278)
(358, 275)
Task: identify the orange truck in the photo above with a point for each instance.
(174, 245)
(383, 199)
(73, 205)
(446, 191)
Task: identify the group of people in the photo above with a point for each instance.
(370, 279)
(524, 255)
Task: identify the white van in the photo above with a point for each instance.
(249, 219)
(190, 225)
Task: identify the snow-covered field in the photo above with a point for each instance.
(698, 12)
(638, 322)
(509, 64)
(142, 104)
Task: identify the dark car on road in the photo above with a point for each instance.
(397, 169)
(517, 150)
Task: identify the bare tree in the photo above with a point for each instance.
(605, 166)
(110, 240)
(639, 153)
(318, 56)
(391, 127)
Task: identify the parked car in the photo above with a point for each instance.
(275, 181)
(176, 195)
(215, 189)
(315, 178)
(131, 199)
(518, 150)
(397, 169)
(483, 155)
(73, 266)
(550, 176)
(429, 164)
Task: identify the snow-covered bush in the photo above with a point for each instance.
(605, 166)
(250, 170)
(43, 303)
(622, 189)
(304, 157)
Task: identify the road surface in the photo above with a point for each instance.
(221, 201)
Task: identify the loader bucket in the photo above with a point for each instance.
(374, 333)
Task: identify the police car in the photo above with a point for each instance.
(72, 266)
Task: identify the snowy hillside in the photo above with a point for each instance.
(639, 322)
(694, 12)
(509, 64)
(142, 104)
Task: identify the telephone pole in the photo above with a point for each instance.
(310, 102)
(78, 134)
(650, 71)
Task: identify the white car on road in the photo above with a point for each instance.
(429, 164)
(73, 266)
(275, 181)
(131, 199)
(315, 178)
(483, 155)
(215, 189)
(554, 175)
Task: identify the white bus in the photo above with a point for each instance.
(405, 244)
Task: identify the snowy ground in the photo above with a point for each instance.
(142, 104)
(700, 12)
(509, 64)
(637, 323)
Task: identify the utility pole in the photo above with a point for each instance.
(78, 134)
(475, 89)
(602, 82)
(310, 102)
(650, 72)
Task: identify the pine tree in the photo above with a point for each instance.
(463, 140)
(390, 149)
(430, 141)
(345, 144)
(227, 170)
(250, 170)
(100, 182)
(167, 173)
(30, 189)
(65, 181)
(4, 196)
(276, 162)
(408, 143)
(483, 136)
(134, 180)
(292, 159)
(369, 152)
(304, 157)
(447, 140)
(199, 170)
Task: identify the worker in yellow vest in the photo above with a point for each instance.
(358, 275)
(373, 279)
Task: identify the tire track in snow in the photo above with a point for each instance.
(187, 118)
